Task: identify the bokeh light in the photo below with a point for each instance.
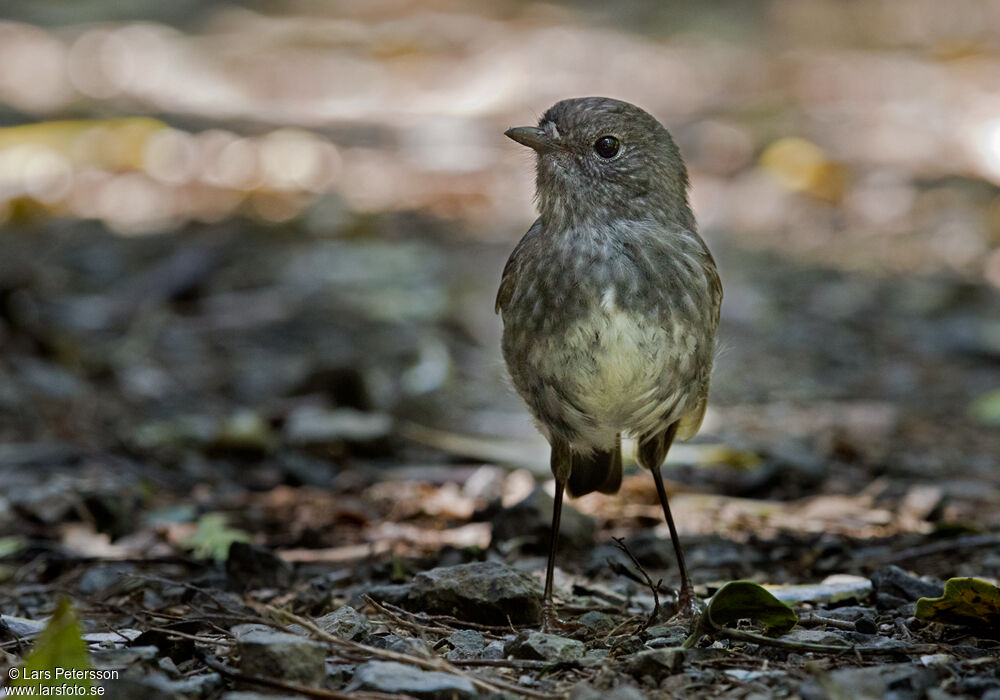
(834, 141)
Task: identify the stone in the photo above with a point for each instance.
(392, 677)
(201, 685)
(855, 614)
(153, 686)
(466, 644)
(345, 622)
(251, 568)
(905, 681)
(400, 645)
(656, 662)
(313, 426)
(745, 675)
(486, 592)
(406, 645)
(282, 655)
(167, 665)
(494, 650)
(596, 622)
(156, 686)
(874, 640)
(895, 587)
(531, 520)
(814, 636)
(123, 657)
(625, 644)
(19, 627)
(585, 691)
(976, 686)
(340, 674)
(834, 589)
(532, 644)
(666, 636)
(395, 593)
(595, 656)
(100, 578)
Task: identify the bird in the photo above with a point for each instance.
(610, 304)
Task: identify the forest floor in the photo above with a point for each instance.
(276, 451)
(165, 397)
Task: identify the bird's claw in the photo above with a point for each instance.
(550, 623)
(689, 607)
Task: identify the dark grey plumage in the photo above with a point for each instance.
(610, 302)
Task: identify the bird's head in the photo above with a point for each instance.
(603, 159)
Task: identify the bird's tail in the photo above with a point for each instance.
(600, 470)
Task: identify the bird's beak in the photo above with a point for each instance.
(530, 136)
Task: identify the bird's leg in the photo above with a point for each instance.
(687, 605)
(548, 614)
(562, 465)
(652, 451)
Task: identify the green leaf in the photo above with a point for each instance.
(966, 601)
(745, 600)
(212, 538)
(986, 408)
(58, 652)
(12, 545)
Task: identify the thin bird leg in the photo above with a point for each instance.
(548, 615)
(686, 602)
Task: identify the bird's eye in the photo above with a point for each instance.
(607, 147)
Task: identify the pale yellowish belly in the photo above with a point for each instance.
(628, 376)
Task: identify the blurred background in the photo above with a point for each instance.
(250, 250)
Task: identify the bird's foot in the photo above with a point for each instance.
(550, 623)
(689, 607)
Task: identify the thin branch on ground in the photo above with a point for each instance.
(192, 637)
(400, 620)
(620, 542)
(743, 636)
(808, 619)
(619, 569)
(278, 684)
(519, 664)
(609, 609)
(946, 546)
(211, 595)
(448, 619)
(621, 626)
(430, 664)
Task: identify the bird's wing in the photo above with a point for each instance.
(508, 280)
(672, 259)
(715, 287)
(691, 422)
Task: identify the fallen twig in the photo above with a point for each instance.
(609, 609)
(744, 636)
(278, 684)
(449, 619)
(620, 570)
(192, 637)
(620, 542)
(945, 546)
(399, 620)
(431, 664)
(520, 664)
(807, 618)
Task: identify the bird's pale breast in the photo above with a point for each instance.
(630, 374)
(627, 356)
